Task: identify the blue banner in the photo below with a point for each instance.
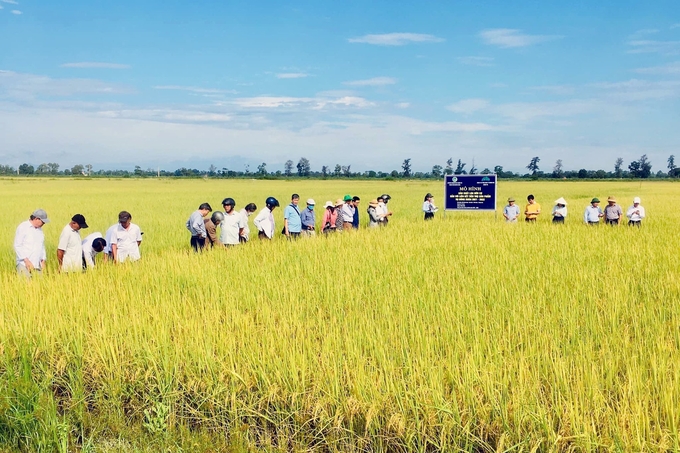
(470, 192)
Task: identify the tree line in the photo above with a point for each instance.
(641, 168)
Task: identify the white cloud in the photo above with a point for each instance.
(507, 38)
(28, 86)
(292, 75)
(477, 61)
(17, 12)
(167, 115)
(668, 69)
(468, 106)
(95, 65)
(675, 26)
(652, 46)
(11, 2)
(640, 90)
(555, 89)
(315, 103)
(191, 89)
(395, 39)
(403, 105)
(374, 82)
(644, 32)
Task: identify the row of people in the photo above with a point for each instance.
(234, 229)
(612, 213)
(73, 253)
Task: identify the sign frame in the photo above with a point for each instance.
(473, 181)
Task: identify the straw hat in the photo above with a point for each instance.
(511, 199)
(611, 199)
(561, 201)
(329, 204)
(373, 203)
(339, 202)
(636, 200)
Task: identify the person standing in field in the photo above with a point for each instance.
(308, 219)
(264, 222)
(428, 206)
(635, 213)
(511, 211)
(245, 213)
(383, 212)
(559, 212)
(330, 217)
(338, 214)
(348, 213)
(373, 216)
(593, 212)
(70, 248)
(93, 245)
(292, 223)
(612, 212)
(355, 218)
(232, 225)
(196, 226)
(125, 239)
(211, 225)
(532, 210)
(29, 244)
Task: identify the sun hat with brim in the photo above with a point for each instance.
(636, 200)
(595, 200)
(311, 201)
(511, 199)
(347, 197)
(41, 214)
(561, 201)
(329, 204)
(373, 203)
(611, 199)
(339, 202)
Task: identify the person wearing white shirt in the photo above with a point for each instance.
(635, 213)
(232, 226)
(428, 207)
(245, 213)
(29, 244)
(383, 212)
(593, 212)
(125, 239)
(107, 238)
(347, 213)
(93, 244)
(264, 222)
(559, 212)
(70, 248)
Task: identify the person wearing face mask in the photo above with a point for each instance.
(308, 220)
(245, 213)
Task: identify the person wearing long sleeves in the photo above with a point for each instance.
(196, 226)
(559, 212)
(593, 213)
(355, 219)
(264, 222)
(330, 218)
(29, 244)
(308, 219)
(373, 215)
(93, 245)
(428, 207)
(635, 213)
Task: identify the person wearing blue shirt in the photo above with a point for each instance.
(511, 211)
(355, 219)
(308, 219)
(292, 222)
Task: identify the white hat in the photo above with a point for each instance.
(636, 200)
(329, 204)
(561, 200)
(311, 201)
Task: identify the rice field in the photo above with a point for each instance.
(460, 334)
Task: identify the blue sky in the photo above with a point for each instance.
(169, 84)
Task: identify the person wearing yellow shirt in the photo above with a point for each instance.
(532, 210)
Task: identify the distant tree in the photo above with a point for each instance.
(26, 169)
(42, 169)
(88, 168)
(498, 169)
(618, 171)
(288, 168)
(406, 166)
(54, 167)
(486, 171)
(338, 170)
(583, 173)
(303, 167)
(346, 171)
(437, 171)
(473, 169)
(262, 169)
(641, 168)
(460, 168)
(138, 171)
(77, 170)
(394, 174)
(557, 169)
(449, 167)
(600, 174)
(324, 171)
(533, 164)
(672, 169)
(212, 170)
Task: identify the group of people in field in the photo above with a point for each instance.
(593, 215)
(74, 254)
(343, 215)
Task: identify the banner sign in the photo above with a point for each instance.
(470, 192)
